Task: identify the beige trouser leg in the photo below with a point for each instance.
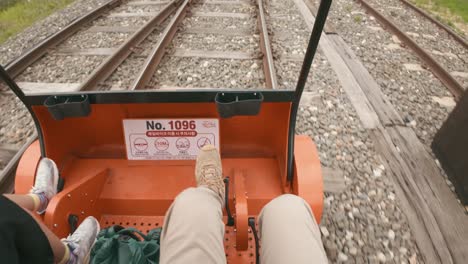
(193, 230)
(289, 233)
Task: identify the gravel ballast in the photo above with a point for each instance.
(232, 8)
(217, 42)
(61, 69)
(415, 92)
(121, 21)
(448, 52)
(209, 73)
(364, 223)
(86, 40)
(224, 23)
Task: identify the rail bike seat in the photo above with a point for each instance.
(103, 179)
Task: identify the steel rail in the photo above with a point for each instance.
(153, 60)
(453, 85)
(111, 63)
(452, 33)
(15, 67)
(265, 46)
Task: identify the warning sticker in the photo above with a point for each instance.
(169, 139)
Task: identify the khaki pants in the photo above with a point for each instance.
(194, 231)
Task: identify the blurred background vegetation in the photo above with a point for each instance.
(451, 12)
(16, 15)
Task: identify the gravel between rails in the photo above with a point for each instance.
(137, 8)
(120, 80)
(61, 69)
(217, 42)
(364, 223)
(209, 73)
(121, 21)
(448, 52)
(246, 9)
(202, 72)
(219, 22)
(83, 40)
(123, 77)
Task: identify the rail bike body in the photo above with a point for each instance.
(115, 153)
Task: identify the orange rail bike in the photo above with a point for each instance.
(115, 152)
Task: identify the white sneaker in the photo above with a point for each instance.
(83, 239)
(46, 178)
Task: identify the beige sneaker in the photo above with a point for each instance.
(209, 171)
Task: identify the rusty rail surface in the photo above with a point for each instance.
(112, 62)
(15, 67)
(452, 33)
(453, 85)
(153, 60)
(265, 46)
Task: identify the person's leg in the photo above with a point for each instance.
(26, 201)
(289, 233)
(193, 229)
(45, 187)
(21, 238)
(28, 238)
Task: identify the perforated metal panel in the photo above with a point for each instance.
(146, 223)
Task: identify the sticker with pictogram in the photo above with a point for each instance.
(169, 139)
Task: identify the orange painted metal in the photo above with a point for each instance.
(242, 213)
(90, 153)
(80, 198)
(308, 182)
(99, 136)
(27, 166)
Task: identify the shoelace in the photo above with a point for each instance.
(209, 175)
(76, 238)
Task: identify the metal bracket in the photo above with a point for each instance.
(242, 212)
(73, 222)
(257, 242)
(230, 220)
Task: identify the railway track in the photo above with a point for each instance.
(447, 66)
(143, 44)
(423, 13)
